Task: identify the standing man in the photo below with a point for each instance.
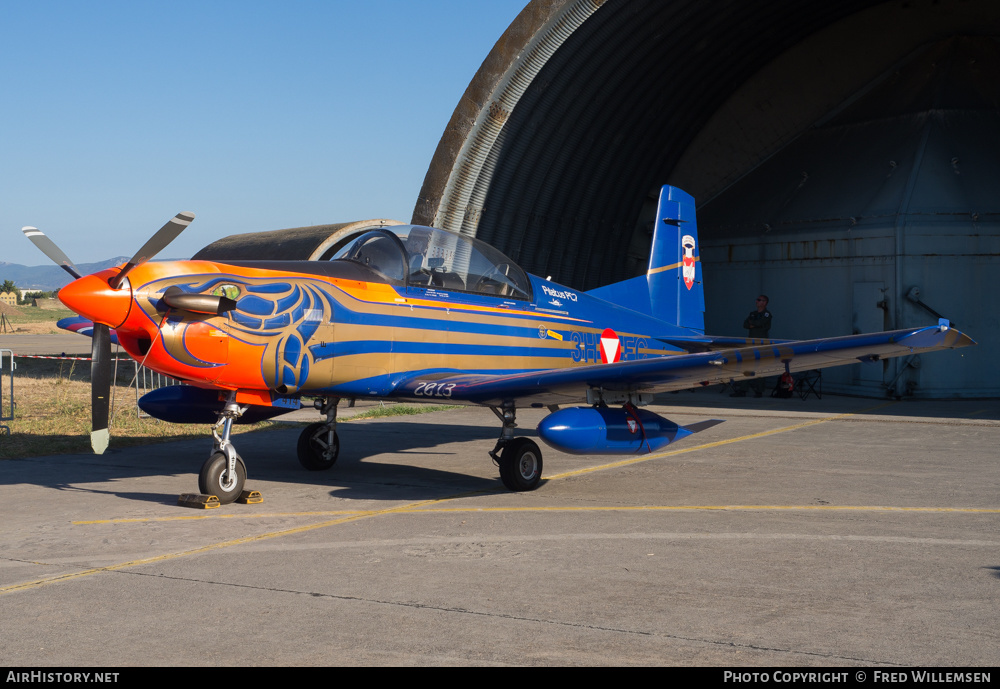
(758, 325)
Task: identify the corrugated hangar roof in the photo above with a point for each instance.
(584, 108)
(315, 243)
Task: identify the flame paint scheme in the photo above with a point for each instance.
(421, 314)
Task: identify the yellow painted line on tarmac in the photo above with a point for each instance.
(695, 508)
(592, 508)
(424, 507)
(243, 515)
(203, 549)
(718, 443)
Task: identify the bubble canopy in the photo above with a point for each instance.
(431, 258)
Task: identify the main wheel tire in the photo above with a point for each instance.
(521, 465)
(312, 448)
(211, 481)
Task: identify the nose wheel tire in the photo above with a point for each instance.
(315, 451)
(521, 465)
(212, 480)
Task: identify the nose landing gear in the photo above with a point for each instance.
(224, 473)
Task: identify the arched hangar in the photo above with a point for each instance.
(844, 156)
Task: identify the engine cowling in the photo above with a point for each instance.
(606, 430)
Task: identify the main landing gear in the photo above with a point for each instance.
(224, 474)
(520, 460)
(318, 444)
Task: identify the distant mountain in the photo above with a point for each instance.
(51, 277)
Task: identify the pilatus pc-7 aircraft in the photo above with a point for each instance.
(421, 314)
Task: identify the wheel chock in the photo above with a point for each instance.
(250, 497)
(198, 501)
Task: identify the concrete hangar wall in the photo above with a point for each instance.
(845, 159)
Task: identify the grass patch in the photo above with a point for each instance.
(52, 412)
(399, 410)
(31, 319)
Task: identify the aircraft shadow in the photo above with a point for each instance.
(271, 456)
(396, 459)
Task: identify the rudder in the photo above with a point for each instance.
(676, 289)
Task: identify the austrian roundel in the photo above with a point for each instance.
(611, 347)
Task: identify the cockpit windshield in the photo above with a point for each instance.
(379, 251)
(437, 259)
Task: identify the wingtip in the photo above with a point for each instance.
(935, 337)
(965, 341)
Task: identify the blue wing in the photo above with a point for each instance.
(681, 371)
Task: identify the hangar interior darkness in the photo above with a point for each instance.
(845, 159)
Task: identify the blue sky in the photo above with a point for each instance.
(253, 115)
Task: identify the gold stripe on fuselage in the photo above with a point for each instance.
(470, 363)
(357, 332)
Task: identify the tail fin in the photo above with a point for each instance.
(676, 290)
(672, 288)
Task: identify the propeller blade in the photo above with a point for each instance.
(155, 245)
(49, 248)
(100, 387)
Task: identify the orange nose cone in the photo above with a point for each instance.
(92, 298)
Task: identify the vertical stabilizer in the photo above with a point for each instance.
(672, 289)
(676, 290)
